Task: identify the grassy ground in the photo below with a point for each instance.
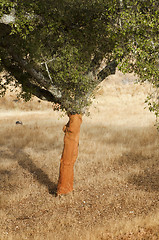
(116, 185)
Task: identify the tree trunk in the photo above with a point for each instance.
(69, 155)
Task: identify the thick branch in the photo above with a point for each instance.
(109, 69)
(97, 72)
(8, 18)
(25, 79)
(96, 62)
(38, 77)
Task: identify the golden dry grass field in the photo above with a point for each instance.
(116, 184)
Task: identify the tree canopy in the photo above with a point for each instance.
(61, 50)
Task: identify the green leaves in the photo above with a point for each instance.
(70, 76)
(139, 46)
(66, 41)
(5, 7)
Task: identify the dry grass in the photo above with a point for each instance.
(116, 175)
(11, 102)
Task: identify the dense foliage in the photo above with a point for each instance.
(139, 45)
(61, 50)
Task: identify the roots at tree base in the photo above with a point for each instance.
(69, 155)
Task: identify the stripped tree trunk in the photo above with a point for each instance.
(69, 155)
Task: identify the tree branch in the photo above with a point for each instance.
(39, 78)
(109, 69)
(8, 18)
(25, 79)
(37, 75)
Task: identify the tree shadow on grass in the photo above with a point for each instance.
(7, 155)
(149, 180)
(27, 163)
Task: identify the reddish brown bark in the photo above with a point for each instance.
(69, 155)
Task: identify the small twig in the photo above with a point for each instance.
(48, 60)
(47, 69)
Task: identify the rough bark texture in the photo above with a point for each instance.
(69, 155)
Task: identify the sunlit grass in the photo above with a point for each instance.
(116, 183)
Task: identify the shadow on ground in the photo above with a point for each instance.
(26, 163)
(147, 178)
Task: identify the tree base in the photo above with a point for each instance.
(69, 155)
